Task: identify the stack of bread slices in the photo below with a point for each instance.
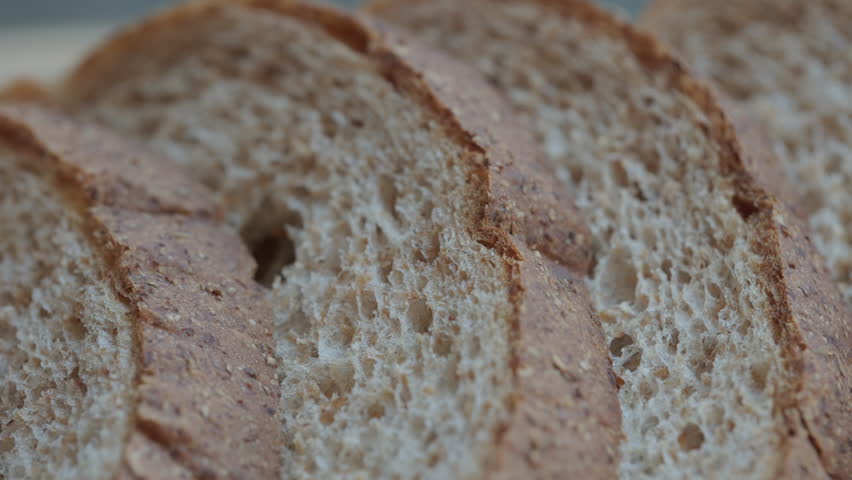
(491, 239)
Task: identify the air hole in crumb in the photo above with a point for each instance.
(759, 373)
(650, 423)
(647, 390)
(703, 362)
(75, 328)
(368, 304)
(673, 342)
(7, 444)
(576, 175)
(691, 437)
(619, 277)
(442, 344)
(388, 195)
(683, 277)
(651, 161)
(427, 209)
(619, 174)
(17, 397)
(329, 125)
(267, 239)
(327, 416)
(449, 380)
(616, 346)
(745, 207)
(420, 315)
(418, 425)
(272, 253)
(633, 362)
(376, 410)
(341, 333)
(337, 379)
(475, 347)
(75, 377)
(716, 415)
(368, 365)
(430, 249)
(298, 323)
(714, 290)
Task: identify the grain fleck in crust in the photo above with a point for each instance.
(205, 396)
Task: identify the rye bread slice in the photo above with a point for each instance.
(732, 341)
(133, 342)
(425, 271)
(787, 63)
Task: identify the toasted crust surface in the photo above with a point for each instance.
(566, 416)
(205, 393)
(815, 327)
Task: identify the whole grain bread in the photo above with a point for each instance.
(788, 63)
(133, 342)
(730, 337)
(425, 270)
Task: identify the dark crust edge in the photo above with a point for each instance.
(823, 355)
(205, 394)
(565, 415)
(814, 328)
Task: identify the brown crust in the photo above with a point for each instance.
(205, 394)
(566, 415)
(25, 90)
(815, 330)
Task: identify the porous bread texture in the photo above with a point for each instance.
(393, 322)
(788, 63)
(678, 276)
(66, 355)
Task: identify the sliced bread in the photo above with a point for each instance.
(133, 343)
(733, 344)
(788, 63)
(425, 272)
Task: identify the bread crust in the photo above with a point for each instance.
(814, 326)
(566, 420)
(25, 90)
(205, 394)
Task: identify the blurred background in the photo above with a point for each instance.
(42, 38)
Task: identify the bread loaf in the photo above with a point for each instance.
(133, 343)
(425, 271)
(732, 341)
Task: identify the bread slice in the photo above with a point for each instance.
(426, 274)
(133, 343)
(733, 345)
(788, 63)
